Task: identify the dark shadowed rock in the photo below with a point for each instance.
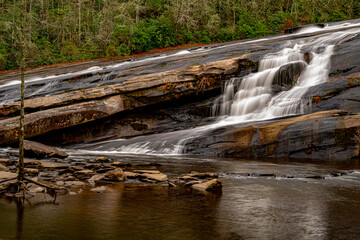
(287, 76)
(38, 150)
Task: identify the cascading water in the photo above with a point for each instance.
(250, 98)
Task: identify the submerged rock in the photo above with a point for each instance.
(99, 189)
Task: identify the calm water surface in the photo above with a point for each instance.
(255, 207)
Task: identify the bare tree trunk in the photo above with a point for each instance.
(22, 113)
(79, 21)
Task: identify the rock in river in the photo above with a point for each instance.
(210, 186)
(116, 175)
(38, 150)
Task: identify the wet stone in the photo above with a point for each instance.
(202, 175)
(210, 186)
(29, 163)
(189, 184)
(115, 175)
(121, 164)
(147, 171)
(60, 183)
(131, 175)
(102, 160)
(36, 189)
(74, 183)
(84, 174)
(93, 166)
(31, 171)
(105, 169)
(2, 167)
(158, 177)
(187, 178)
(6, 162)
(54, 165)
(96, 178)
(7, 175)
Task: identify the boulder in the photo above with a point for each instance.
(287, 76)
(38, 150)
(116, 175)
(210, 186)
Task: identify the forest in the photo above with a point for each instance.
(59, 31)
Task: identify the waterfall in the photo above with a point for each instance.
(250, 98)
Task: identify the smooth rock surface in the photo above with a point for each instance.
(38, 150)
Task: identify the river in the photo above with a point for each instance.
(264, 199)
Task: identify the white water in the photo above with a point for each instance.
(247, 99)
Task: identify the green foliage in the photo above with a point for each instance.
(64, 31)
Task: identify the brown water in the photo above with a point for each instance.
(256, 207)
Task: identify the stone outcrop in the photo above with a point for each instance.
(82, 106)
(328, 135)
(38, 150)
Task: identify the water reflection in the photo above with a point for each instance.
(20, 218)
(249, 208)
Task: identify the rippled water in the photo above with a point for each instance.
(255, 207)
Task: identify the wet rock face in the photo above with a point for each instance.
(287, 76)
(329, 134)
(342, 93)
